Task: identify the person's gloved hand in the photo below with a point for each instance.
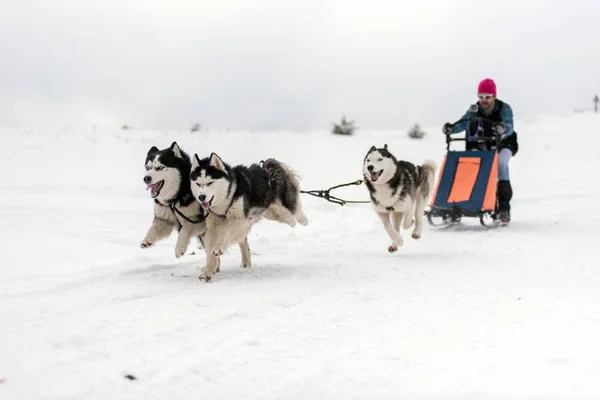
(499, 129)
(447, 128)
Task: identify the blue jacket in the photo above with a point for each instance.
(506, 115)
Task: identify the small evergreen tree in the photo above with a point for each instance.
(416, 132)
(344, 127)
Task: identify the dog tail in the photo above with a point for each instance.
(429, 169)
(430, 166)
(282, 172)
(286, 183)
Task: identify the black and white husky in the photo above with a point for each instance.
(238, 197)
(399, 191)
(175, 208)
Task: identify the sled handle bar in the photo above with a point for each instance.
(476, 119)
(481, 139)
(496, 139)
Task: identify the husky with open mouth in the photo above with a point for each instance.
(238, 197)
(175, 208)
(399, 191)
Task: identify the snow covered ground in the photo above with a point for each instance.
(325, 312)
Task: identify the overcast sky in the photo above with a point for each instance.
(277, 64)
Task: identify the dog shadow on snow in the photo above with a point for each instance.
(259, 271)
(230, 271)
(153, 269)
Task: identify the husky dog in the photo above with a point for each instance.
(399, 190)
(238, 197)
(175, 208)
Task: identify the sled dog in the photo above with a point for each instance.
(399, 191)
(238, 197)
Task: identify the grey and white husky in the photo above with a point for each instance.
(175, 208)
(238, 197)
(399, 191)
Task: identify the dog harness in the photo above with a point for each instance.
(182, 215)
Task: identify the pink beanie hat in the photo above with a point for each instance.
(487, 86)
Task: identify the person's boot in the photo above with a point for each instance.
(504, 195)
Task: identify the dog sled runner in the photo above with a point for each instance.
(468, 180)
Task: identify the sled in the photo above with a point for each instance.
(468, 180)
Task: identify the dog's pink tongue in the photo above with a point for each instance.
(154, 185)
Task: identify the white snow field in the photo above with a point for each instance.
(325, 312)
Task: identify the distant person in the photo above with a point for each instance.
(496, 110)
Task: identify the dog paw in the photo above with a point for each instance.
(416, 235)
(302, 220)
(245, 265)
(217, 252)
(205, 277)
(146, 243)
(392, 247)
(180, 251)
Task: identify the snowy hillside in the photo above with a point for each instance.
(325, 312)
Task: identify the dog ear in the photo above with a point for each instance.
(385, 146)
(373, 148)
(215, 161)
(176, 150)
(153, 150)
(195, 162)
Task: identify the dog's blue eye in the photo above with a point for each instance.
(381, 159)
(148, 168)
(160, 168)
(209, 183)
